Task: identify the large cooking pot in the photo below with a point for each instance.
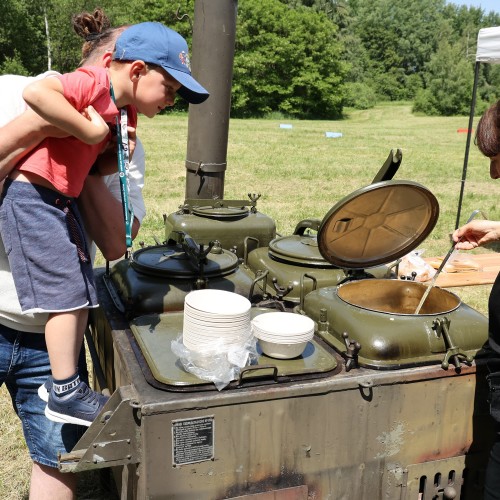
(380, 316)
(375, 225)
(288, 258)
(228, 221)
(156, 279)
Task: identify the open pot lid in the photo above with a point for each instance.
(377, 224)
(173, 262)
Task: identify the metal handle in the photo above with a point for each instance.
(245, 247)
(307, 224)
(260, 277)
(315, 285)
(255, 368)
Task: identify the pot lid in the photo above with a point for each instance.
(172, 261)
(377, 224)
(220, 212)
(298, 249)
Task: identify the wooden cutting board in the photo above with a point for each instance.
(489, 268)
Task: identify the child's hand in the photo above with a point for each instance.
(98, 129)
(112, 144)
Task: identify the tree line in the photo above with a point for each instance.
(298, 58)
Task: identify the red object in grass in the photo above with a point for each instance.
(464, 130)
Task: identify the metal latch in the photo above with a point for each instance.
(453, 352)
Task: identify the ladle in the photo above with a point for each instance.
(451, 251)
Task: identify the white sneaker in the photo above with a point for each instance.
(44, 389)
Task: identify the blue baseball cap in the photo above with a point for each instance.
(156, 44)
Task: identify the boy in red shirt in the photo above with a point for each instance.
(39, 221)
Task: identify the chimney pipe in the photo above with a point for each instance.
(214, 34)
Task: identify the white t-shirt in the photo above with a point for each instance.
(12, 104)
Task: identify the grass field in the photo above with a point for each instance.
(300, 174)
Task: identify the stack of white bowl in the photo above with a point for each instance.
(215, 320)
(283, 335)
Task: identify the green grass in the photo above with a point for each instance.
(300, 174)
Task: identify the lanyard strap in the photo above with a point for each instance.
(123, 171)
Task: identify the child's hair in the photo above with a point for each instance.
(95, 29)
(488, 131)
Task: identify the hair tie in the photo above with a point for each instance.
(92, 36)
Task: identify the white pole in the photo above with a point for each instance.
(49, 56)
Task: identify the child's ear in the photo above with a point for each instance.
(137, 69)
(106, 59)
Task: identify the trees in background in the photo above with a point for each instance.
(286, 60)
(23, 46)
(303, 58)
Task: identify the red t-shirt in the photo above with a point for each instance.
(66, 162)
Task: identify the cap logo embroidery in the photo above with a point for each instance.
(184, 58)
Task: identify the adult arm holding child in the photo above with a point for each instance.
(20, 136)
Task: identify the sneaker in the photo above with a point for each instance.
(81, 407)
(44, 389)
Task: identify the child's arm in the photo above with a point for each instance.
(47, 99)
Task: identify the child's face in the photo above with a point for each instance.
(155, 91)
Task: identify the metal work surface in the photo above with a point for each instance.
(155, 333)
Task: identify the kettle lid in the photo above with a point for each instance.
(377, 224)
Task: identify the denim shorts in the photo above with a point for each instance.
(24, 367)
(46, 247)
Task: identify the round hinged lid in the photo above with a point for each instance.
(297, 249)
(220, 212)
(172, 261)
(377, 224)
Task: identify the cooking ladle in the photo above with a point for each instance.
(451, 252)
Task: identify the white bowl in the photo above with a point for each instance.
(283, 323)
(282, 351)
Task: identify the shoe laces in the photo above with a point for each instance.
(86, 395)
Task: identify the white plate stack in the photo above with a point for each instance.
(283, 335)
(215, 320)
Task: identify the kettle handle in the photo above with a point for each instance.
(255, 368)
(307, 224)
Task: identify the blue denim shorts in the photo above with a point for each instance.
(46, 247)
(24, 367)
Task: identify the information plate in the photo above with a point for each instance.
(192, 440)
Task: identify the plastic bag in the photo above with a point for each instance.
(414, 263)
(221, 364)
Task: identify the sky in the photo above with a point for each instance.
(486, 5)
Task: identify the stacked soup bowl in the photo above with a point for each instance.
(283, 335)
(215, 320)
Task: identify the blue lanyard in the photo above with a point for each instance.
(123, 171)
